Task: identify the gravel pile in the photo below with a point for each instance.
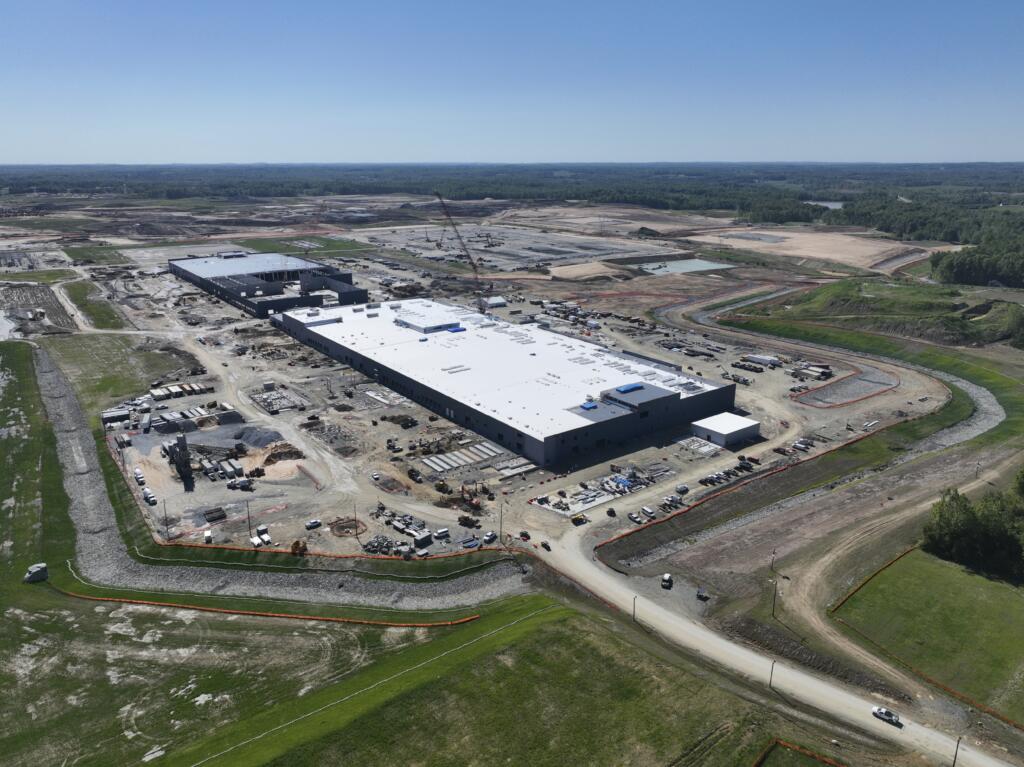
(102, 558)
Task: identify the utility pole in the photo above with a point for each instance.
(634, 608)
(957, 752)
(248, 519)
(772, 565)
(775, 593)
(771, 676)
(167, 529)
(501, 521)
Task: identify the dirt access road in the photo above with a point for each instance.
(794, 686)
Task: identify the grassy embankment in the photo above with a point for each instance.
(100, 312)
(96, 254)
(958, 627)
(937, 313)
(42, 276)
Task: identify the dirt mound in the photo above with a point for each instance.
(283, 451)
(256, 436)
(347, 527)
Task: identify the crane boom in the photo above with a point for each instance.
(462, 244)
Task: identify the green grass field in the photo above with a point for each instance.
(957, 627)
(43, 276)
(98, 311)
(107, 368)
(937, 313)
(96, 254)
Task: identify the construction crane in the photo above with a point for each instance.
(481, 296)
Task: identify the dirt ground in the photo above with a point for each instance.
(859, 250)
(604, 220)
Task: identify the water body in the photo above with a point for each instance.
(830, 204)
(682, 267)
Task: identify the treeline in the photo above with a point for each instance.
(938, 202)
(985, 535)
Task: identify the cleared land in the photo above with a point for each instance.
(96, 254)
(100, 312)
(42, 276)
(105, 368)
(859, 251)
(957, 627)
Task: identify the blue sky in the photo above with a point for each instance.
(510, 82)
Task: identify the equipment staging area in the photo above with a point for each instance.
(549, 397)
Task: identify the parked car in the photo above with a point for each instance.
(490, 536)
(313, 524)
(666, 581)
(635, 517)
(523, 535)
(545, 545)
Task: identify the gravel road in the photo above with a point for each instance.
(102, 557)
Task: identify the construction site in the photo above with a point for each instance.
(496, 380)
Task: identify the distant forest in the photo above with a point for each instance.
(977, 204)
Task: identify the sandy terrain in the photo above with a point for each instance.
(587, 271)
(607, 220)
(794, 242)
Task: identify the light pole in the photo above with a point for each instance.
(771, 676)
(248, 519)
(634, 608)
(957, 752)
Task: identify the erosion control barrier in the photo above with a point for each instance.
(260, 614)
(777, 743)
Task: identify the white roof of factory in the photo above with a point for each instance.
(521, 375)
(726, 423)
(222, 265)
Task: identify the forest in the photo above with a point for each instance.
(986, 535)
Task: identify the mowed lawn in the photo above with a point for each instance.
(959, 628)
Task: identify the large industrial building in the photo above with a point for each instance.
(546, 396)
(265, 283)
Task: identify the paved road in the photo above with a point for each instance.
(801, 687)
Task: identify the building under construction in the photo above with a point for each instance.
(546, 396)
(264, 283)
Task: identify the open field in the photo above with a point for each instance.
(100, 312)
(615, 220)
(941, 314)
(303, 244)
(957, 627)
(534, 703)
(855, 250)
(42, 276)
(105, 368)
(96, 254)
